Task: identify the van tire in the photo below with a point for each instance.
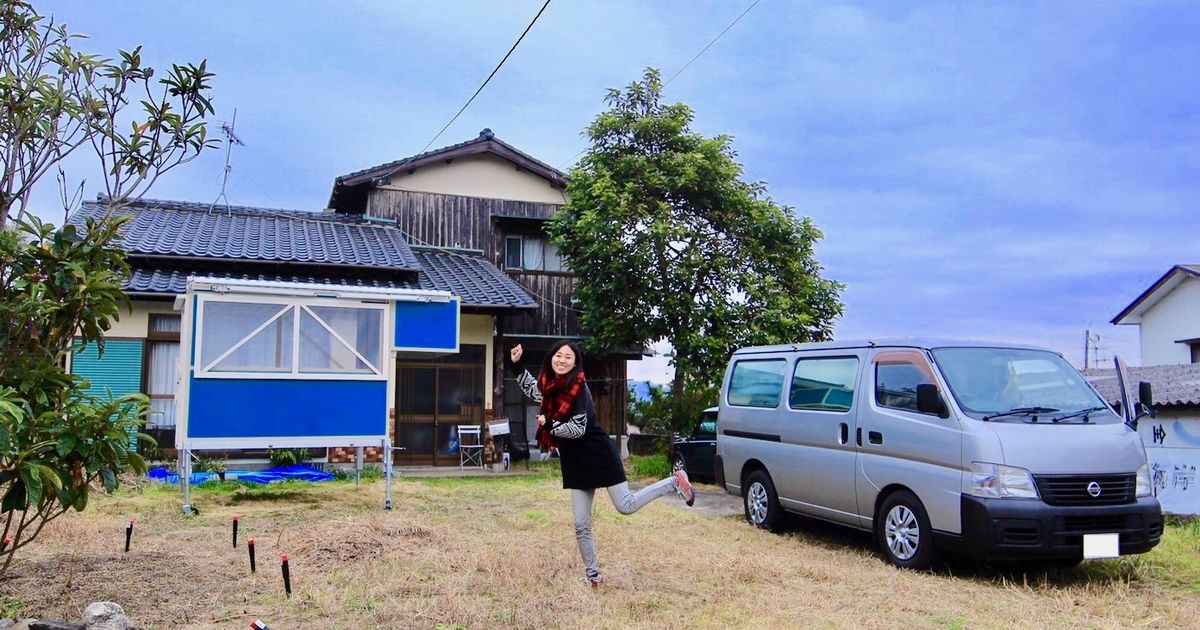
(903, 533)
(761, 503)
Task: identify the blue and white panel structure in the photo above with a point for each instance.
(285, 364)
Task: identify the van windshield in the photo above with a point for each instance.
(989, 381)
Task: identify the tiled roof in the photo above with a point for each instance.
(479, 283)
(1172, 385)
(467, 275)
(174, 228)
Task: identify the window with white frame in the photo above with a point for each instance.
(280, 337)
(532, 253)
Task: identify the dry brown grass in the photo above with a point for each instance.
(489, 553)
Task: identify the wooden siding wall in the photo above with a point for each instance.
(457, 221)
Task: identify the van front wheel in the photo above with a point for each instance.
(761, 503)
(903, 532)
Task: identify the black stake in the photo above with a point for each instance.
(235, 525)
(128, 534)
(287, 576)
(250, 546)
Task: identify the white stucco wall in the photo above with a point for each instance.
(1176, 316)
(477, 329)
(1173, 449)
(136, 324)
(481, 175)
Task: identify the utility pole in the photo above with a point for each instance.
(1087, 342)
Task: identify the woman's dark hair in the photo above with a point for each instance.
(548, 370)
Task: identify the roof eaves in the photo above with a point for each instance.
(1191, 270)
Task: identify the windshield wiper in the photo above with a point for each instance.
(1075, 414)
(1021, 411)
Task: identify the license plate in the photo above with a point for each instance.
(1097, 546)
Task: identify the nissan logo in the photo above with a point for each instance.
(1094, 489)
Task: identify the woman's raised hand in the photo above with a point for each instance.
(516, 353)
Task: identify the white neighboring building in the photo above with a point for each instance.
(1168, 318)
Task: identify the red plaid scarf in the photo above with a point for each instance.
(558, 397)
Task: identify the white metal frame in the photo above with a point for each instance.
(297, 296)
(290, 304)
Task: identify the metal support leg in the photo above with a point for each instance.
(387, 472)
(358, 464)
(185, 478)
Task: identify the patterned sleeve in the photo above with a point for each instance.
(572, 429)
(529, 386)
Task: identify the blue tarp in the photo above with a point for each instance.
(271, 475)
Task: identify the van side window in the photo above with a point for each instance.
(896, 384)
(757, 383)
(823, 384)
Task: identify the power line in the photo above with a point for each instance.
(485, 81)
(719, 35)
(686, 65)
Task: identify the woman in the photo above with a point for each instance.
(568, 421)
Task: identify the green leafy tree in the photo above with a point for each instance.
(60, 288)
(658, 411)
(670, 243)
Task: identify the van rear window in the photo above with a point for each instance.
(756, 383)
(823, 384)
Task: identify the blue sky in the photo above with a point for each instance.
(995, 170)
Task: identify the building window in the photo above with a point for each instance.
(162, 369)
(532, 253)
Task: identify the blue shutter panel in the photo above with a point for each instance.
(119, 370)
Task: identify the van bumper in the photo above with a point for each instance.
(1016, 529)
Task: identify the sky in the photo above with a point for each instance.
(1011, 171)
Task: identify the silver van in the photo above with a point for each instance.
(995, 451)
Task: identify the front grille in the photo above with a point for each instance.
(1073, 489)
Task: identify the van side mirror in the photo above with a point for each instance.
(1145, 395)
(1145, 401)
(929, 401)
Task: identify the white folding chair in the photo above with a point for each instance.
(470, 446)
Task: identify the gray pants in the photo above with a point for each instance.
(625, 501)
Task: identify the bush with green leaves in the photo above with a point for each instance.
(287, 456)
(60, 288)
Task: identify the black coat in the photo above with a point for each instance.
(590, 461)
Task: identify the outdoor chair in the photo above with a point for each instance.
(470, 446)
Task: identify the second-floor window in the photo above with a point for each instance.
(533, 253)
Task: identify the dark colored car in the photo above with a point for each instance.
(694, 453)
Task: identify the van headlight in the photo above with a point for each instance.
(1143, 480)
(993, 481)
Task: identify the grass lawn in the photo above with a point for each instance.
(499, 552)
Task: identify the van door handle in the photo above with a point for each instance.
(843, 433)
(858, 436)
(875, 437)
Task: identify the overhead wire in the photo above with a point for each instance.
(488, 79)
(737, 19)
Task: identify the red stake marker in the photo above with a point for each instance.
(287, 576)
(7, 542)
(258, 625)
(235, 527)
(250, 546)
(128, 534)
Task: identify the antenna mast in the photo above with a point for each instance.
(231, 139)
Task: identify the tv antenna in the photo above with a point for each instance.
(231, 138)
